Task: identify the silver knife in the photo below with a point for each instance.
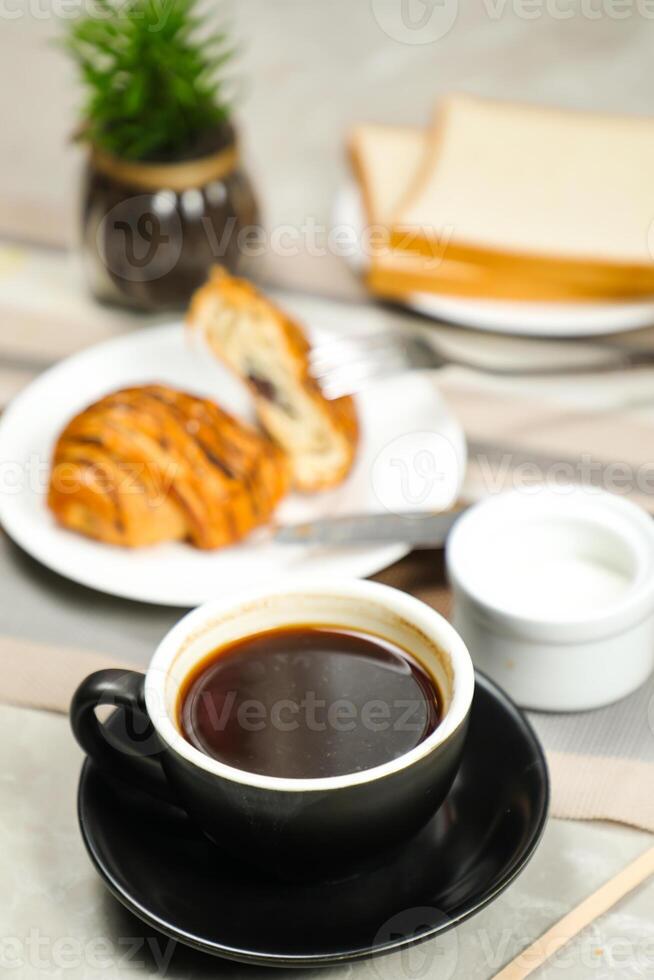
(420, 529)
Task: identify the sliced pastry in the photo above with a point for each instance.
(269, 351)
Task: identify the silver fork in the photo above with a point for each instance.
(345, 365)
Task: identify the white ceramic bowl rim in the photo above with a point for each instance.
(426, 619)
(621, 517)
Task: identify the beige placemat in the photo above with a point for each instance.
(516, 440)
(38, 675)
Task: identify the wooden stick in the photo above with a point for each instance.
(574, 922)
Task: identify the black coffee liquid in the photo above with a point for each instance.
(308, 702)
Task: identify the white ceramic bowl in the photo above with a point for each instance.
(554, 594)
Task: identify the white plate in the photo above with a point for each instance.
(526, 319)
(177, 574)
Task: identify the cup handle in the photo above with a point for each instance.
(135, 761)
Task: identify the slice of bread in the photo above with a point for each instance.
(269, 352)
(387, 161)
(542, 192)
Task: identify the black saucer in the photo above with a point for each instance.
(166, 872)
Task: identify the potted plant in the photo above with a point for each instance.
(164, 193)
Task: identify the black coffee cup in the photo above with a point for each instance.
(281, 824)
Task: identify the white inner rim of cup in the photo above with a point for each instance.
(368, 606)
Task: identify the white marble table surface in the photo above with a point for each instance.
(58, 920)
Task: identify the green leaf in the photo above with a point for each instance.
(152, 76)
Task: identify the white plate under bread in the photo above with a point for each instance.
(528, 219)
(502, 316)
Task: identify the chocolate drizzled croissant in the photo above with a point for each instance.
(152, 464)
